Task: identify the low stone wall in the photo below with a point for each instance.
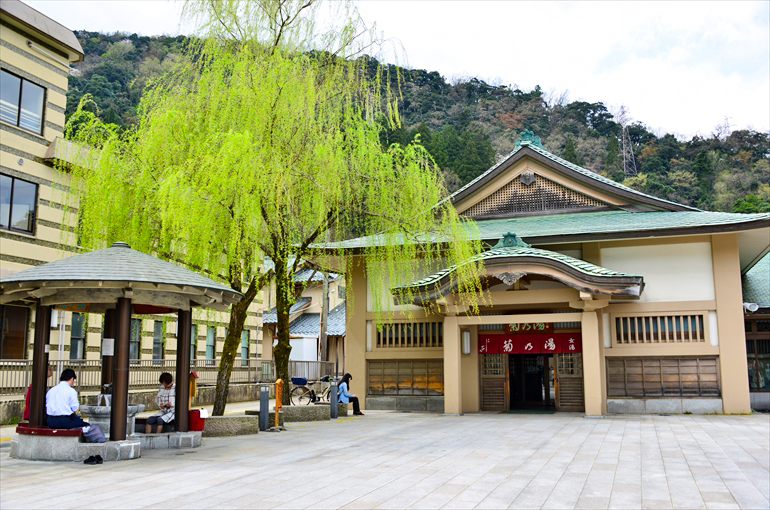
(218, 426)
(425, 404)
(71, 449)
(270, 419)
(692, 405)
(760, 401)
(169, 440)
(12, 410)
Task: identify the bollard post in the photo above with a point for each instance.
(278, 399)
(333, 408)
(264, 407)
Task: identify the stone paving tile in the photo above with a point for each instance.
(399, 460)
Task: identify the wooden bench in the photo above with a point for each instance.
(45, 431)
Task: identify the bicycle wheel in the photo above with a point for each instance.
(300, 396)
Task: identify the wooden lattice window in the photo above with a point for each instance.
(492, 364)
(569, 364)
(411, 378)
(655, 329)
(662, 377)
(541, 195)
(410, 335)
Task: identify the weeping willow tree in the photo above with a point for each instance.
(265, 142)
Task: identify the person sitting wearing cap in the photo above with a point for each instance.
(61, 402)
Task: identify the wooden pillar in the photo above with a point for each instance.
(592, 360)
(40, 365)
(120, 374)
(182, 397)
(355, 349)
(453, 388)
(730, 326)
(108, 364)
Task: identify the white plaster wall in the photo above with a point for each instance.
(672, 272)
(302, 349)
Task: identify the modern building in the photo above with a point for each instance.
(600, 299)
(36, 55)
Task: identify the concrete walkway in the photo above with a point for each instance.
(399, 460)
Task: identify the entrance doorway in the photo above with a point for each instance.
(532, 381)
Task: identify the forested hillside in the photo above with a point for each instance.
(469, 125)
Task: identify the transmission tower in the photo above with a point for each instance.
(629, 162)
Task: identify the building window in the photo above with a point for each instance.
(193, 342)
(410, 334)
(244, 348)
(211, 344)
(17, 204)
(400, 378)
(77, 336)
(662, 377)
(13, 334)
(135, 340)
(21, 102)
(157, 341)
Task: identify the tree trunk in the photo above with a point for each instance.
(283, 302)
(232, 341)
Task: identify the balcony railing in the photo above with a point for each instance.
(16, 375)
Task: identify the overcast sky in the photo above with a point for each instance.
(679, 67)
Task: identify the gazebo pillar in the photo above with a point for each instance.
(183, 331)
(40, 365)
(108, 365)
(119, 399)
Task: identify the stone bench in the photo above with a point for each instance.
(168, 439)
(42, 443)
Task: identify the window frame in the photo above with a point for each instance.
(158, 341)
(213, 344)
(193, 343)
(245, 359)
(81, 340)
(137, 342)
(10, 226)
(17, 125)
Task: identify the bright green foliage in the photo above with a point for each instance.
(256, 147)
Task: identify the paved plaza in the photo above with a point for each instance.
(400, 460)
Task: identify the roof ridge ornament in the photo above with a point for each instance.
(511, 240)
(527, 137)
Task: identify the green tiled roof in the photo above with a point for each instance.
(756, 283)
(532, 228)
(520, 252)
(587, 173)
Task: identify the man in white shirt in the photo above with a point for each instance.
(61, 402)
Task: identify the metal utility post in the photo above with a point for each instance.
(333, 404)
(264, 407)
(40, 366)
(119, 399)
(182, 397)
(324, 317)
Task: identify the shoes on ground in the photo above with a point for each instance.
(99, 459)
(90, 460)
(359, 413)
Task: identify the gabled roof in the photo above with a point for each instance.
(595, 226)
(271, 317)
(312, 275)
(529, 146)
(756, 283)
(309, 324)
(508, 259)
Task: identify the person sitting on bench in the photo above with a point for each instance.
(166, 400)
(61, 402)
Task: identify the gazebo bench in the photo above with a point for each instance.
(43, 443)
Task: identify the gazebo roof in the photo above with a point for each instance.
(99, 277)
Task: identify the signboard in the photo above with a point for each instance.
(529, 328)
(75, 307)
(537, 343)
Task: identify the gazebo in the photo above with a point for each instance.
(116, 281)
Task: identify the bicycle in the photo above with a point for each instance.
(304, 395)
